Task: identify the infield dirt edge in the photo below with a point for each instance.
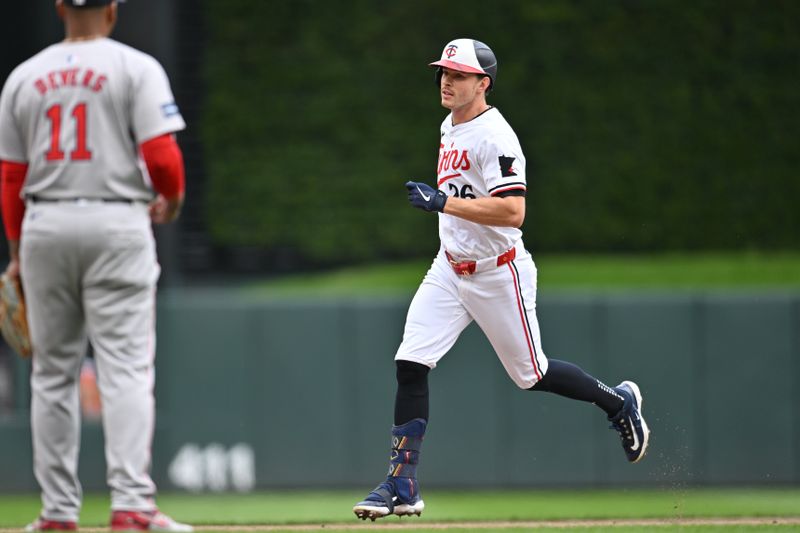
(529, 524)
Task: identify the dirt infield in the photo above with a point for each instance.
(558, 524)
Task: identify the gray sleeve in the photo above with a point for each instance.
(153, 108)
(12, 147)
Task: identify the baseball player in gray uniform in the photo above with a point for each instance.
(89, 161)
(483, 273)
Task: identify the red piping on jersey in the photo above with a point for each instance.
(448, 177)
(514, 188)
(164, 161)
(12, 176)
(524, 324)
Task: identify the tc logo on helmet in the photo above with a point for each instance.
(451, 50)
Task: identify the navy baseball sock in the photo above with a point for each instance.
(566, 379)
(411, 400)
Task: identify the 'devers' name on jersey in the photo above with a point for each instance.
(70, 77)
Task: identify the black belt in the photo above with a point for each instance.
(39, 200)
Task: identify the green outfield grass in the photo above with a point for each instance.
(712, 271)
(331, 510)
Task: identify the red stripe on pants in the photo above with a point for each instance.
(531, 349)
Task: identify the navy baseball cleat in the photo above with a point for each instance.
(630, 423)
(399, 494)
(384, 500)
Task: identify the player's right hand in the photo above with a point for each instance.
(425, 197)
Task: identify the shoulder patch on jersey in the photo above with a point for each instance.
(170, 109)
(507, 166)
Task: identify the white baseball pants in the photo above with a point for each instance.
(501, 300)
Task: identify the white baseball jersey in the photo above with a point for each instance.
(478, 158)
(78, 125)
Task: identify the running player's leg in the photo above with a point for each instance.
(622, 403)
(412, 397)
(50, 277)
(119, 296)
(513, 330)
(503, 303)
(435, 320)
(569, 380)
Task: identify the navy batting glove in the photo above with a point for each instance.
(425, 197)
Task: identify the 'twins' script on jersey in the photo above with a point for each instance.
(451, 162)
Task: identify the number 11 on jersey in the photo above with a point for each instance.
(81, 152)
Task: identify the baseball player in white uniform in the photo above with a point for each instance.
(89, 161)
(483, 273)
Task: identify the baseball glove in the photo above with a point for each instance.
(13, 321)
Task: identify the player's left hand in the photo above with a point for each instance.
(13, 316)
(12, 270)
(425, 197)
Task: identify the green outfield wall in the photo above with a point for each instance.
(277, 393)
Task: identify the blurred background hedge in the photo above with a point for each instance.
(648, 125)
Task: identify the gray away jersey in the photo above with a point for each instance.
(77, 112)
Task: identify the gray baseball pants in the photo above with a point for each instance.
(89, 272)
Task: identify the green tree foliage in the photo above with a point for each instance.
(647, 125)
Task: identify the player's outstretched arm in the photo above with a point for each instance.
(491, 211)
(508, 211)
